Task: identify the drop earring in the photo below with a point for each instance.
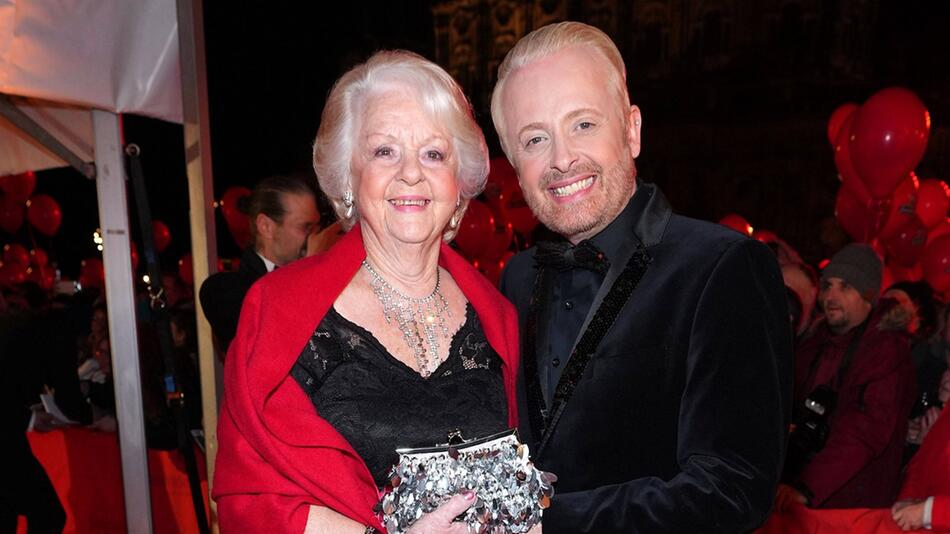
(348, 202)
(454, 220)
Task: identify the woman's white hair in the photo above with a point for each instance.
(549, 40)
(440, 96)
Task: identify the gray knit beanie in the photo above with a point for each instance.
(859, 266)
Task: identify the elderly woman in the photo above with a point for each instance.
(389, 339)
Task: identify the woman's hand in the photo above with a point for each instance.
(909, 515)
(440, 520)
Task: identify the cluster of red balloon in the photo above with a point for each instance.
(877, 146)
(20, 265)
(42, 211)
(486, 233)
(17, 202)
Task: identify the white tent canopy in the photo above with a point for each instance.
(69, 56)
(68, 68)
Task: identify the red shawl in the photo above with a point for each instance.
(277, 456)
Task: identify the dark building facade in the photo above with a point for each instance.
(735, 94)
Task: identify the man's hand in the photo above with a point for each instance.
(913, 431)
(44, 422)
(788, 497)
(909, 515)
(322, 241)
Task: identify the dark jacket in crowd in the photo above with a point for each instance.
(222, 295)
(860, 464)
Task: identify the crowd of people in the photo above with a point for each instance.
(55, 349)
(674, 374)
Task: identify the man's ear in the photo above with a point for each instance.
(265, 226)
(634, 122)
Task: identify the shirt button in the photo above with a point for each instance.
(569, 304)
(556, 362)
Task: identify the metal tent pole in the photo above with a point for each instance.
(123, 336)
(204, 252)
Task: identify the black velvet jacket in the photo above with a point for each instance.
(678, 423)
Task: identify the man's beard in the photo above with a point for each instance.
(611, 191)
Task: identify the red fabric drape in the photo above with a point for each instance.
(86, 471)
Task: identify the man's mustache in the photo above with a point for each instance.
(554, 176)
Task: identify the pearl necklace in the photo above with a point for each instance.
(420, 320)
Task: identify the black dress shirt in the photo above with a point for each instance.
(570, 301)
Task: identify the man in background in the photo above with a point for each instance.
(854, 388)
(282, 212)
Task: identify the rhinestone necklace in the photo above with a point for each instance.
(421, 320)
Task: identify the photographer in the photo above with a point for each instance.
(854, 387)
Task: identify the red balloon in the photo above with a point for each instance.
(506, 199)
(16, 253)
(765, 236)
(501, 185)
(521, 217)
(936, 263)
(889, 136)
(901, 274)
(44, 214)
(19, 187)
(12, 273)
(39, 257)
(942, 228)
(92, 273)
(907, 244)
(737, 223)
(161, 234)
(475, 230)
(241, 232)
(11, 215)
(229, 201)
(844, 164)
(499, 240)
(134, 253)
(42, 276)
(838, 116)
(237, 222)
(852, 215)
(933, 201)
(903, 202)
(186, 270)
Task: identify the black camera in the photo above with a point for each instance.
(927, 400)
(811, 429)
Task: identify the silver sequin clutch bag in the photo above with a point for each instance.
(510, 492)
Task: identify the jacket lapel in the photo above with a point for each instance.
(648, 231)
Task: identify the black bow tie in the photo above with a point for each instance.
(563, 256)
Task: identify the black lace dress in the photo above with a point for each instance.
(380, 404)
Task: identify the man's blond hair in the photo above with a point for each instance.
(549, 40)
